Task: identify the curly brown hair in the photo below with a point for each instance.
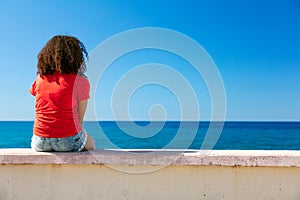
(65, 54)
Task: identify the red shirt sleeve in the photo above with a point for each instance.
(32, 89)
(83, 89)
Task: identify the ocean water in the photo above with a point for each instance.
(172, 135)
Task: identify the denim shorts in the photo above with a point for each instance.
(72, 143)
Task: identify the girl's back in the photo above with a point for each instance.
(57, 97)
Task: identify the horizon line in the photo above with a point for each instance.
(141, 120)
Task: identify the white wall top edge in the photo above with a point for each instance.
(247, 158)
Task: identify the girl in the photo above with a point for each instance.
(61, 93)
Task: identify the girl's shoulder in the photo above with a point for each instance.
(81, 80)
(81, 77)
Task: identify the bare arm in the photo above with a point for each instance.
(81, 110)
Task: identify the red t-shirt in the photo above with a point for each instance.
(57, 98)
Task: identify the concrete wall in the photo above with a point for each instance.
(150, 175)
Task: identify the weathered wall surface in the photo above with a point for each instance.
(149, 176)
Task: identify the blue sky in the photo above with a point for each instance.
(255, 45)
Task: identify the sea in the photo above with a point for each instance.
(172, 135)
